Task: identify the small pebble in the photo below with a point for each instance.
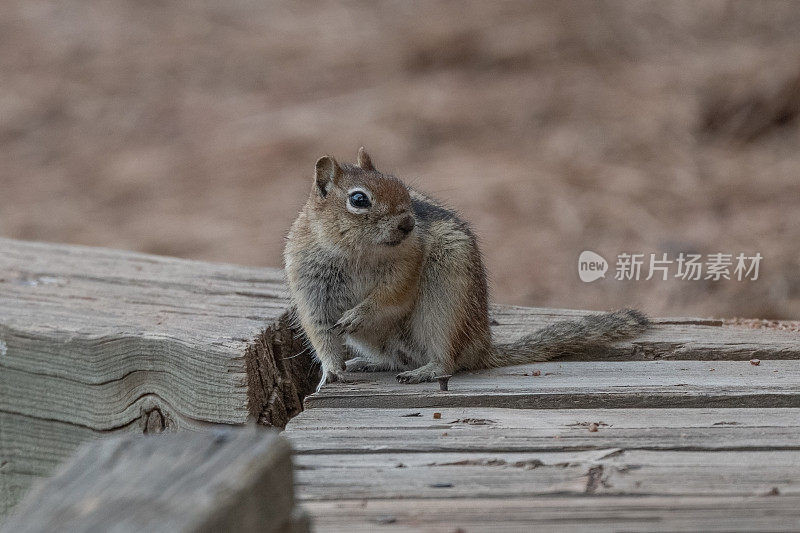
(537, 372)
(437, 416)
(755, 362)
(593, 427)
(386, 519)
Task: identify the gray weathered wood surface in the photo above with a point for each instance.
(587, 514)
(706, 441)
(498, 430)
(96, 341)
(670, 338)
(579, 384)
(382, 453)
(502, 475)
(499, 469)
(223, 480)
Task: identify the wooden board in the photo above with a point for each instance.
(578, 384)
(589, 514)
(494, 469)
(232, 480)
(670, 338)
(500, 475)
(496, 430)
(690, 437)
(95, 341)
(484, 468)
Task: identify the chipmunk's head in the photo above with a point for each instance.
(359, 207)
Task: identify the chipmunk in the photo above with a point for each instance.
(384, 278)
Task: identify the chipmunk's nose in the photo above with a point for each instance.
(407, 224)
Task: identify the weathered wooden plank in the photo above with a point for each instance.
(459, 470)
(741, 456)
(331, 430)
(555, 419)
(104, 321)
(13, 486)
(578, 384)
(575, 514)
(32, 447)
(500, 475)
(105, 340)
(670, 338)
(224, 480)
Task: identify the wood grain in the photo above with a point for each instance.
(579, 384)
(587, 514)
(670, 338)
(226, 479)
(488, 430)
(689, 437)
(95, 341)
(500, 475)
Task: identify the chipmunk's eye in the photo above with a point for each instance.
(359, 200)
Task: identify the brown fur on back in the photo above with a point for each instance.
(400, 284)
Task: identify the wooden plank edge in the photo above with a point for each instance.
(281, 372)
(539, 400)
(584, 513)
(224, 479)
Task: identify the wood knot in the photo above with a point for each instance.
(153, 421)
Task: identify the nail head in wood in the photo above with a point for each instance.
(443, 381)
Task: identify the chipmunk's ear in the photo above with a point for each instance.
(327, 173)
(364, 161)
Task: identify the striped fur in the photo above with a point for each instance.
(370, 297)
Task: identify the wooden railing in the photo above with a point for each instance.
(95, 342)
(227, 479)
(103, 343)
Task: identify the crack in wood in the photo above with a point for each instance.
(473, 421)
(594, 479)
(612, 453)
(529, 464)
(279, 375)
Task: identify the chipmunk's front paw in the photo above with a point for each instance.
(360, 364)
(351, 321)
(330, 376)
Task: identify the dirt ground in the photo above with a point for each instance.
(191, 129)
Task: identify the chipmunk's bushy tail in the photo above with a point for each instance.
(570, 337)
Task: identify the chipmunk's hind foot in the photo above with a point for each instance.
(422, 374)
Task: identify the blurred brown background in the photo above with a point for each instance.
(191, 129)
